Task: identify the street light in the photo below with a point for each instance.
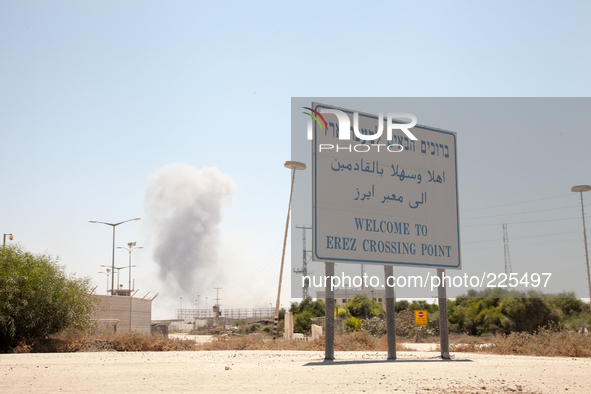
(118, 269)
(130, 248)
(113, 264)
(11, 237)
(106, 273)
(581, 189)
(293, 165)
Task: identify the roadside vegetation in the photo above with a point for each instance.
(44, 310)
(551, 341)
(82, 341)
(38, 299)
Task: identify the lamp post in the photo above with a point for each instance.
(106, 273)
(581, 189)
(113, 264)
(130, 248)
(10, 237)
(118, 270)
(293, 165)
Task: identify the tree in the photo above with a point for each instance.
(401, 305)
(421, 305)
(316, 308)
(303, 312)
(362, 307)
(37, 298)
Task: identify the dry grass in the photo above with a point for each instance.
(80, 341)
(551, 342)
(355, 341)
(76, 341)
(548, 342)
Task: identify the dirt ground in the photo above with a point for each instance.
(289, 371)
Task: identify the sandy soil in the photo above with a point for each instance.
(289, 371)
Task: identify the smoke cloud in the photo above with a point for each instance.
(183, 210)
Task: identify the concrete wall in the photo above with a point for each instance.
(124, 308)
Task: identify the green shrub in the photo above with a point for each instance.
(302, 322)
(303, 312)
(37, 298)
(363, 307)
(353, 324)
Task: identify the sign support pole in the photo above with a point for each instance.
(329, 313)
(443, 329)
(390, 314)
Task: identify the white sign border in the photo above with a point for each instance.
(315, 106)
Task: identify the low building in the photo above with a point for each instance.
(130, 312)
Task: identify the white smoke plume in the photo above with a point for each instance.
(183, 209)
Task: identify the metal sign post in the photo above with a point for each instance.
(329, 313)
(390, 314)
(421, 319)
(443, 330)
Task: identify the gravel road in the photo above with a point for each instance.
(289, 371)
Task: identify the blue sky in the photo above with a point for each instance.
(95, 97)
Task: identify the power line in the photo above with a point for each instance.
(529, 221)
(520, 213)
(529, 236)
(515, 203)
(532, 243)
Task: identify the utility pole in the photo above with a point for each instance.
(216, 308)
(217, 298)
(507, 257)
(305, 260)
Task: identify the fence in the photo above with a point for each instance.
(247, 314)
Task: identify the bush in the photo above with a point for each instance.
(375, 326)
(400, 305)
(37, 298)
(505, 311)
(362, 307)
(240, 323)
(304, 312)
(341, 311)
(353, 324)
(302, 322)
(552, 340)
